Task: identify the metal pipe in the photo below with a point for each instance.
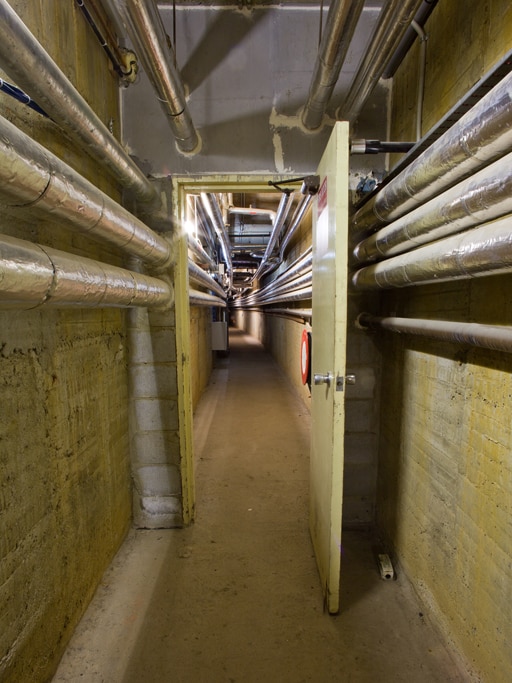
(304, 294)
(494, 337)
(394, 20)
(34, 71)
(486, 250)
(302, 313)
(481, 198)
(482, 135)
(297, 217)
(279, 219)
(147, 32)
(199, 276)
(421, 78)
(31, 176)
(378, 147)
(202, 256)
(197, 298)
(32, 276)
(339, 29)
(249, 211)
(214, 213)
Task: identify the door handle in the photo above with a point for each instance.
(323, 379)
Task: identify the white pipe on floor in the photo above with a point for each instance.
(486, 250)
(34, 71)
(481, 136)
(495, 337)
(481, 198)
(32, 177)
(32, 276)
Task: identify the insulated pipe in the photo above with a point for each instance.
(340, 25)
(279, 219)
(147, 32)
(494, 337)
(394, 21)
(482, 135)
(32, 276)
(214, 213)
(297, 217)
(25, 60)
(296, 295)
(198, 275)
(248, 211)
(297, 268)
(481, 198)
(298, 283)
(197, 298)
(202, 256)
(486, 250)
(31, 176)
(302, 313)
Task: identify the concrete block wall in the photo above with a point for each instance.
(65, 496)
(445, 474)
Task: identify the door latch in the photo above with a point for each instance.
(341, 380)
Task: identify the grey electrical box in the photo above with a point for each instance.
(219, 336)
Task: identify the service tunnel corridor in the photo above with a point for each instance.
(236, 596)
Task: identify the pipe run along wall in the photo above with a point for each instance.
(494, 337)
(26, 61)
(32, 177)
(486, 250)
(481, 136)
(32, 275)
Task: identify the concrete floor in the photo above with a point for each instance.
(236, 596)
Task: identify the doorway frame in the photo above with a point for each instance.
(181, 185)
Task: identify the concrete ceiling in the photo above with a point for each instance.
(247, 67)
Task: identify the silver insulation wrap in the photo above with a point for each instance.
(32, 176)
(26, 61)
(481, 198)
(482, 135)
(32, 275)
(486, 250)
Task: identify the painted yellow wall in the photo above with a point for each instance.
(200, 350)
(445, 471)
(65, 502)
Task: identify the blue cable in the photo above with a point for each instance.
(21, 96)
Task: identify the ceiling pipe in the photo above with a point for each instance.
(198, 275)
(481, 198)
(25, 60)
(486, 250)
(147, 32)
(494, 337)
(279, 220)
(32, 276)
(396, 16)
(215, 214)
(339, 29)
(32, 177)
(482, 135)
(197, 298)
(250, 211)
(421, 16)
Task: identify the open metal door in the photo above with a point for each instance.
(330, 230)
